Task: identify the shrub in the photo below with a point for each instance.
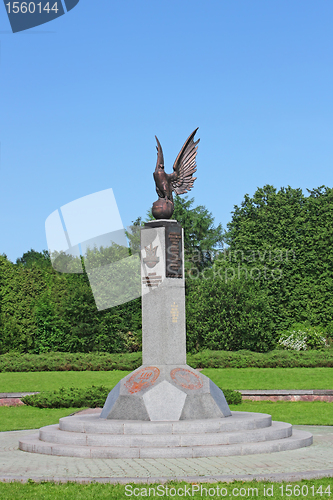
(91, 397)
(302, 338)
(64, 361)
(273, 359)
(232, 397)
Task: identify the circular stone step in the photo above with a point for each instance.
(93, 424)
(52, 434)
(89, 436)
(32, 444)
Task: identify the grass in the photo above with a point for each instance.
(49, 381)
(314, 489)
(293, 412)
(16, 418)
(271, 378)
(227, 378)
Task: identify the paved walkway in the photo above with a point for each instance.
(305, 463)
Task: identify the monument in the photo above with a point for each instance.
(165, 408)
(165, 388)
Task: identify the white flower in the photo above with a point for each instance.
(299, 340)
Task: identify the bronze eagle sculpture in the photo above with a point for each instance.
(180, 181)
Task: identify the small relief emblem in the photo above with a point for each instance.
(151, 259)
(174, 312)
(142, 378)
(186, 379)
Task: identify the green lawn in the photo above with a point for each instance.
(16, 418)
(271, 378)
(307, 413)
(228, 378)
(293, 412)
(315, 489)
(48, 381)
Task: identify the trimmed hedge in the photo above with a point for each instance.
(59, 361)
(272, 359)
(91, 397)
(66, 361)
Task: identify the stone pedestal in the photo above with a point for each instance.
(164, 387)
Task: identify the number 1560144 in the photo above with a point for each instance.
(30, 7)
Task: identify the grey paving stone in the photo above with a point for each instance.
(204, 439)
(104, 440)
(166, 452)
(115, 453)
(63, 450)
(157, 441)
(160, 427)
(54, 435)
(278, 430)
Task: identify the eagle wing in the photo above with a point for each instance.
(185, 166)
(160, 158)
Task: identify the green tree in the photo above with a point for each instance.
(42, 310)
(227, 315)
(202, 240)
(20, 289)
(285, 239)
(33, 258)
(133, 235)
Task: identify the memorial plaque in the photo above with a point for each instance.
(186, 379)
(173, 251)
(142, 378)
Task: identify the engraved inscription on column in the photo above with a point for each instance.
(152, 280)
(173, 247)
(174, 312)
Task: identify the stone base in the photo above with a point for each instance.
(163, 393)
(89, 436)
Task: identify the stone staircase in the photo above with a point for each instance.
(88, 436)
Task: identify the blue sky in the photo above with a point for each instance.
(82, 97)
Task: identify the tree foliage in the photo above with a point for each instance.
(201, 238)
(287, 238)
(32, 258)
(44, 310)
(227, 316)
